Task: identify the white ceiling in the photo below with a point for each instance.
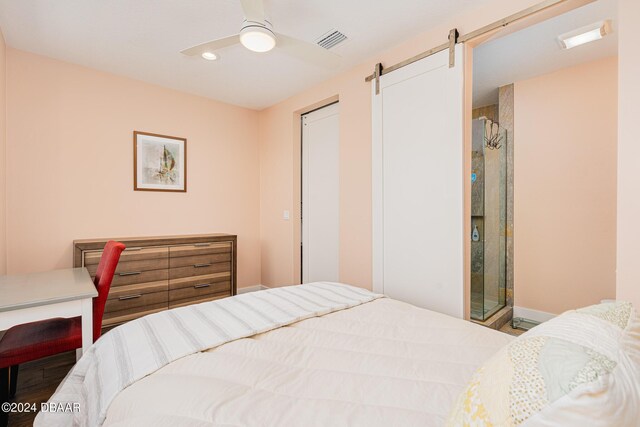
(535, 50)
(142, 39)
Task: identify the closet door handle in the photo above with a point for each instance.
(201, 265)
(133, 249)
(201, 244)
(126, 297)
(130, 273)
(201, 285)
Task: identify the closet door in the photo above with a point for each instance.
(418, 192)
(321, 195)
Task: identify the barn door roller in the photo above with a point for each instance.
(453, 40)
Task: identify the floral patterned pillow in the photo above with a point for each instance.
(580, 369)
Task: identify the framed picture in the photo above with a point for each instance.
(159, 162)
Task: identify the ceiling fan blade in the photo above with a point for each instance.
(211, 46)
(253, 10)
(308, 52)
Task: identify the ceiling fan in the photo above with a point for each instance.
(257, 35)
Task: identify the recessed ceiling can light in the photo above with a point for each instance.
(584, 35)
(257, 38)
(209, 56)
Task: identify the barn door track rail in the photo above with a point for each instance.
(454, 38)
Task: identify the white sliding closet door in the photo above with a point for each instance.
(320, 195)
(418, 164)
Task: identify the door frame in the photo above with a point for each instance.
(471, 45)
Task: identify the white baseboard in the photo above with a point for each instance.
(527, 313)
(254, 288)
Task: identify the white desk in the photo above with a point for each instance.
(38, 296)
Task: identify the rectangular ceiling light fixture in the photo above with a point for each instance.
(584, 35)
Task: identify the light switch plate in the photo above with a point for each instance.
(285, 215)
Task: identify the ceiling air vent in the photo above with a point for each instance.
(331, 39)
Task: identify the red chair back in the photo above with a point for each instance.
(104, 277)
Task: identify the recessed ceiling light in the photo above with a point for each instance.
(584, 35)
(209, 56)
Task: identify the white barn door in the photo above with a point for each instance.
(418, 191)
(320, 195)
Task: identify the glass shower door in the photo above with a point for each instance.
(488, 219)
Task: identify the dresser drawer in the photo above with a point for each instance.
(131, 277)
(200, 249)
(138, 288)
(187, 282)
(135, 299)
(201, 260)
(184, 302)
(134, 266)
(199, 289)
(199, 270)
(129, 254)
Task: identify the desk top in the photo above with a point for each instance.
(50, 287)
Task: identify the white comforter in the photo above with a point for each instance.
(139, 348)
(383, 363)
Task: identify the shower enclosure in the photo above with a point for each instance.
(488, 219)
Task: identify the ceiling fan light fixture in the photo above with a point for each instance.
(257, 38)
(209, 56)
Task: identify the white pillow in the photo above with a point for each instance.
(580, 369)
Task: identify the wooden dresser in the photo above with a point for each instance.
(157, 273)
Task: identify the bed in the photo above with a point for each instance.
(358, 360)
(378, 364)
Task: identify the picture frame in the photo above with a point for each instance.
(159, 162)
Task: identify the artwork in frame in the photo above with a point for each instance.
(159, 162)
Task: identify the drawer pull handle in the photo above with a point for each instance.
(201, 285)
(133, 249)
(201, 244)
(130, 273)
(126, 297)
(201, 265)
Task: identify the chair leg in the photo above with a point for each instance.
(4, 395)
(13, 381)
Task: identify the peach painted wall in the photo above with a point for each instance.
(279, 151)
(628, 272)
(565, 187)
(70, 169)
(3, 145)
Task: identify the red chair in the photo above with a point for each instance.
(35, 340)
